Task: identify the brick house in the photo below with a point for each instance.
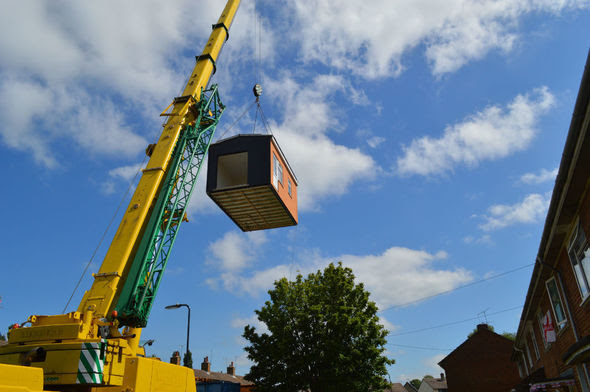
(552, 347)
(481, 363)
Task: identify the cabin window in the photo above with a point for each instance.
(579, 255)
(277, 173)
(289, 183)
(232, 170)
(556, 303)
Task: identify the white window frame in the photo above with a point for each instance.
(558, 323)
(528, 353)
(523, 359)
(519, 366)
(289, 187)
(277, 172)
(535, 346)
(577, 261)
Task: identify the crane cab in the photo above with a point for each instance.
(250, 179)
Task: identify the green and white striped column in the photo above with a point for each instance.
(90, 366)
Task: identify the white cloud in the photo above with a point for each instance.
(388, 324)
(531, 209)
(375, 141)
(323, 168)
(542, 176)
(36, 116)
(82, 71)
(454, 32)
(432, 364)
(125, 173)
(240, 323)
(395, 277)
(122, 173)
(484, 239)
(234, 251)
(492, 133)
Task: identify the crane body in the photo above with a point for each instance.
(97, 347)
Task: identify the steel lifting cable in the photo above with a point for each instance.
(236, 121)
(105, 233)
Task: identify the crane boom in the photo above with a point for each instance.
(89, 348)
(117, 262)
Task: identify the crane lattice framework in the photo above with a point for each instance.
(142, 282)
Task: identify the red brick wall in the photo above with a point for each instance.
(551, 356)
(481, 364)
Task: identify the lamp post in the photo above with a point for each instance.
(188, 327)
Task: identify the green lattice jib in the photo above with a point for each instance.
(140, 288)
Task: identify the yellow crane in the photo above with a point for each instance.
(97, 347)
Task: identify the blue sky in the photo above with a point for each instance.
(425, 136)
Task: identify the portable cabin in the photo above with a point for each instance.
(250, 179)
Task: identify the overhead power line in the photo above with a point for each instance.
(453, 322)
(457, 288)
(423, 348)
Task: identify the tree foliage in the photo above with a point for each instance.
(416, 383)
(2, 337)
(323, 335)
(188, 359)
(507, 335)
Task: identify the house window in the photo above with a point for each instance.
(556, 303)
(528, 354)
(289, 183)
(277, 173)
(535, 347)
(521, 372)
(580, 258)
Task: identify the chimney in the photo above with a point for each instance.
(206, 365)
(482, 327)
(442, 376)
(231, 369)
(175, 358)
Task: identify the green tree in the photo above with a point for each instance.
(323, 335)
(507, 335)
(188, 359)
(416, 383)
(2, 337)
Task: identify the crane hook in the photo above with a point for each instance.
(257, 90)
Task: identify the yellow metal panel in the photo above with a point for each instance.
(45, 333)
(152, 375)
(20, 378)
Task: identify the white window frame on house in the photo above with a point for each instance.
(579, 255)
(523, 360)
(289, 186)
(535, 346)
(528, 354)
(556, 303)
(520, 371)
(277, 172)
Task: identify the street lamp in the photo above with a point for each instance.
(188, 327)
